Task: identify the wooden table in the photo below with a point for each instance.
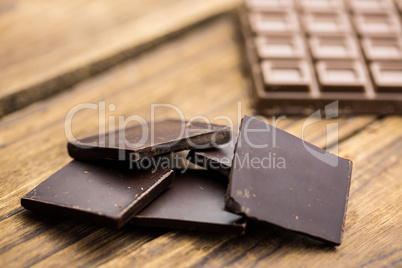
(195, 64)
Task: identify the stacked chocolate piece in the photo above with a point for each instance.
(267, 175)
(116, 175)
(305, 54)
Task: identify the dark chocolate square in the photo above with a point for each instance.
(148, 140)
(107, 193)
(283, 180)
(195, 201)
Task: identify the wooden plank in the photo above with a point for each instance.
(200, 73)
(47, 47)
(21, 132)
(43, 123)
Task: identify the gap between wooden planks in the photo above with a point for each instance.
(201, 74)
(47, 47)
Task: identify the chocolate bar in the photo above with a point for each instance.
(282, 180)
(216, 159)
(148, 140)
(303, 55)
(194, 201)
(106, 192)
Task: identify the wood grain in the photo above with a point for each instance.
(200, 73)
(47, 47)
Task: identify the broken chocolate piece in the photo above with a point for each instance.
(217, 159)
(148, 140)
(195, 201)
(105, 193)
(283, 180)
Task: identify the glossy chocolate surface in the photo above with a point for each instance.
(280, 179)
(194, 201)
(106, 193)
(152, 139)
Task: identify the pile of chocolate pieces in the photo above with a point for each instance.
(267, 175)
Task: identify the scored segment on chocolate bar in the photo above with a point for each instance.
(106, 192)
(145, 141)
(282, 180)
(194, 201)
(303, 55)
(216, 159)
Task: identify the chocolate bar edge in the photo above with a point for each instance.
(75, 148)
(207, 163)
(233, 206)
(238, 227)
(267, 104)
(96, 218)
